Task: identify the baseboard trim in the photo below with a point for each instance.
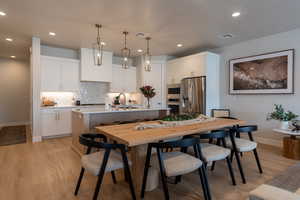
(15, 123)
(36, 139)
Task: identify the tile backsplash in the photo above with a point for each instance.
(93, 92)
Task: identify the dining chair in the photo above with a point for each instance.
(216, 152)
(172, 164)
(241, 145)
(111, 157)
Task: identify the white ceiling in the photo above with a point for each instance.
(197, 24)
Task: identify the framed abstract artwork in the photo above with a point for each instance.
(271, 73)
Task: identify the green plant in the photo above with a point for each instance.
(148, 91)
(280, 114)
(180, 117)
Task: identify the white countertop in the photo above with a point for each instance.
(103, 110)
(287, 132)
(72, 107)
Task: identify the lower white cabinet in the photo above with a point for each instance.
(56, 122)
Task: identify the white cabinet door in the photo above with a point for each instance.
(64, 122)
(90, 71)
(154, 78)
(59, 74)
(70, 75)
(123, 80)
(130, 80)
(56, 122)
(49, 121)
(51, 74)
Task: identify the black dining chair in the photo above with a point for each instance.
(218, 151)
(173, 164)
(110, 158)
(241, 145)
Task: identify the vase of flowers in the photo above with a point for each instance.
(148, 92)
(285, 117)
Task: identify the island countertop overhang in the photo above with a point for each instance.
(104, 111)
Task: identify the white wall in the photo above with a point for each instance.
(14, 91)
(254, 108)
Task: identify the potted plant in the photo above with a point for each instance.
(148, 92)
(281, 115)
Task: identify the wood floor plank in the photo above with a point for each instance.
(49, 170)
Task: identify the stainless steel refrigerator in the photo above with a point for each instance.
(193, 95)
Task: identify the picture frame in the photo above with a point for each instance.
(220, 113)
(270, 73)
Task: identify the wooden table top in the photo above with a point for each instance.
(128, 135)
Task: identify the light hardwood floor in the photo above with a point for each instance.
(49, 170)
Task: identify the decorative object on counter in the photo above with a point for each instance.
(125, 52)
(180, 121)
(281, 115)
(148, 92)
(147, 56)
(296, 126)
(117, 100)
(48, 102)
(271, 73)
(98, 47)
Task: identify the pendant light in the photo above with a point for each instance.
(98, 47)
(147, 57)
(125, 52)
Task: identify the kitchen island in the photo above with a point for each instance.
(85, 120)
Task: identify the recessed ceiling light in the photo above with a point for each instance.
(227, 36)
(2, 13)
(140, 34)
(103, 43)
(236, 14)
(9, 39)
(179, 45)
(140, 50)
(13, 56)
(52, 33)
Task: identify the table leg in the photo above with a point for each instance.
(291, 147)
(138, 157)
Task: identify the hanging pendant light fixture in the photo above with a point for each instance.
(98, 47)
(125, 52)
(147, 57)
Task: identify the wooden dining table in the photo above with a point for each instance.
(137, 140)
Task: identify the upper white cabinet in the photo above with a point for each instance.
(91, 72)
(201, 64)
(59, 74)
(155, 78)
(123, 80)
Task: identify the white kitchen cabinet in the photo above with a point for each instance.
(56, 122)
(155, 78)
(91, 72)
(123, 80)
(59, 74)
(201, 64)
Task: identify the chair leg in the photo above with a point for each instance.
(230, 171)
(203, 168)
(101, 174)
(257, 161)
(231, 155)
(79, 181)
(113, 176)
(203, 183)
(128, 175)
(238, 160)
(213, 166)
(163, 176)
(146, 169)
